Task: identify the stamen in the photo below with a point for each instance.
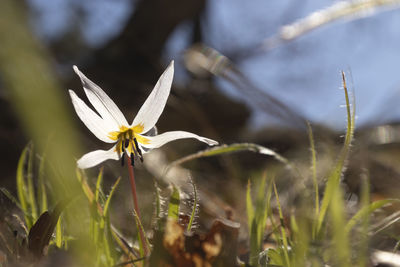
(123, 145)
(126, 143)
(132, 160)
(138, 149)
(137, 146)
(134, 149)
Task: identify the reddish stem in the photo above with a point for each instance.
(135, 205)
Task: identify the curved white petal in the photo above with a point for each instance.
(154, 105)
(94, 158)
(161, 139)
(107, 109)
(99, 127)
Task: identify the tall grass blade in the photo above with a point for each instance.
(42, 194)
(257, 218)
(107, 203)
(334, 177)
(194, 209)
(31, 189)
(59, 234)
(341, 252)
(364, 237)
(86, 188)
(105, 226)
(282, 227)
(22, 187)
(140, 228)
(173, 206)
(98, 184)
(364, 213)
(249, 206)
(314, 174)
(227, 149)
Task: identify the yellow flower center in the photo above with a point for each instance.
(127, 140)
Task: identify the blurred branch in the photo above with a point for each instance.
(339, 11)
(202, 60)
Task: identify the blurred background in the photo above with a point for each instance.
(246, 71)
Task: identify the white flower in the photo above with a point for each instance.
(112, 127)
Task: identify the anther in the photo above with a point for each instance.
(132, 160)
(138, 149)
(126, 143)
(123, 145)
(137, 146)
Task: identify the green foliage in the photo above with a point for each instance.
(282, 227)
(101, 231)
(257, 217)
(327, 225)
(39, 221)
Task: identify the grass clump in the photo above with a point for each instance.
(318, 230)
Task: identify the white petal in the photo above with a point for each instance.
(99, 127)
(161, 139)
(94, 158)
(107, 109)
(154, 105)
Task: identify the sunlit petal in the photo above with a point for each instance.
(99, 127)
(154, 105)
(161, 139)
(94, 158)
(107, 109)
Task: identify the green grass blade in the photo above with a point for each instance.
(366, 211)
(314, 174)
(22, 187)
(334, 177)
(227, 149)
(42, 194)
(173, 206)
(363, 248)
(341, 252)
(194, 209)
(257, 218)
(282, 227)
(86, 188)
(140, 228)
(261, 212)
(98, 185)
(59, 234)
(31, 190)
(249, 206)
(107, 203)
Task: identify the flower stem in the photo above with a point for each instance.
(142, 239)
